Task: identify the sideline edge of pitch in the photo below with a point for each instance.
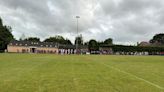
(153, 84)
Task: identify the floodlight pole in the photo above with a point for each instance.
(77, 17)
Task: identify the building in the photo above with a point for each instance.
(32, 47)
(44, 47)
(105, 50)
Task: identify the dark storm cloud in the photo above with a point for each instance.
(127, 21)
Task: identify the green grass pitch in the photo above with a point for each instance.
(80, 73)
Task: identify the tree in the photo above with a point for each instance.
(158, 39)
(100, 43)
(32, 39)
(93, 45)
(79, 40)
(68, 42)
(58, 39)
(108, 41)
(86, 43)
(1, 23)
(5, 36)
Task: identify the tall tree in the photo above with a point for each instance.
(108, 41)
(32, 39)
(5, 36)
(86, 43)
(68, 42)
(1, 21)
(100, 43)
(93, 45)
(158, 39)
(79, 40)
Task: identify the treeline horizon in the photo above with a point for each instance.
(60, 39)
(6, 36)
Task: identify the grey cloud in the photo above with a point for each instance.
(127, 21)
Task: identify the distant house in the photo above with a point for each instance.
(32, 47)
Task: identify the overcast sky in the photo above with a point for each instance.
(126, 21)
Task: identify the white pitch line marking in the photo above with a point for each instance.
(153, 84)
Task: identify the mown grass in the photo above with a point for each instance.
(76, 73)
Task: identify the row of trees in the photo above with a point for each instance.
(55, 39)
(79, 40)
(122, 48)
(158, 39)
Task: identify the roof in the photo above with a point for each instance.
(35, 44)
(72, 47)
(67, 46)
(45, 44)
